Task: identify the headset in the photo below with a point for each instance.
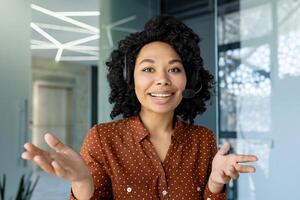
(126, 71)
(187, 93)
(191, 93)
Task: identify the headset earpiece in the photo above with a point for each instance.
(126, 71)
(191, 93)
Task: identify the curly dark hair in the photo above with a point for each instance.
(170, 30)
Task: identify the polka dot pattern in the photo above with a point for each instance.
(125, 165)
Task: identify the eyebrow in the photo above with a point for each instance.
(152, 61)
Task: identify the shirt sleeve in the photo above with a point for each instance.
(208, 195)
(92, 155)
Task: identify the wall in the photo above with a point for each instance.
(15, 86)
(79, 77)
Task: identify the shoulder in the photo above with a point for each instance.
(202, 138)
(109, 131)
(200, 133)
(199, 130)
(110, 128)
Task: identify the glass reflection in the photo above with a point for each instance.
(245, 89)
(258, 74)
(288, 55)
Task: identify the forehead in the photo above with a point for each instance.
(157, 50)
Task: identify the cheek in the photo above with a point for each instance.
(141, 84)
(181, 82)
(184, 82)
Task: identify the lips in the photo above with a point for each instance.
(162, 95)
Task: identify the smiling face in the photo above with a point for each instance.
(159, 78)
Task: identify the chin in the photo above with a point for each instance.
(161, 109)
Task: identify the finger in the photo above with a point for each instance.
(58, 169)
(245, 158)
(244, 168)
(232, 173)
(230, 169)
(44, 164)
(225, 177)
(27, 155)
(224, 149)
(60, 158)
(54, 142)
(33, 149)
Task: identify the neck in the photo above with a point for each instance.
(157, 124)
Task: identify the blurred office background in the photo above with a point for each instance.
(53, 79)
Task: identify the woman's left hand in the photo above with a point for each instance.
(227, 166)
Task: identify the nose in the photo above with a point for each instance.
(162, 79)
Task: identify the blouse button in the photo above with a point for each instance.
(129, 189)
(208, 198)
(198, 189)
(164, 193)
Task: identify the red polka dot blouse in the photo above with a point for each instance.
(125, 165)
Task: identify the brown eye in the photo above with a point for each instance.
(148, 69)
(175, 70)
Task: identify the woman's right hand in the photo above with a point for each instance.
(63, 162)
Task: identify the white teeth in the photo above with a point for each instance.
(161, 95)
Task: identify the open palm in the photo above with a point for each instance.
(63, 162)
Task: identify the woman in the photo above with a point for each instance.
(159, 85)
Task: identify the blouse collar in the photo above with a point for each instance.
(140, 132)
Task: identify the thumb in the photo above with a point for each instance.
(54, 142)
(224, 149)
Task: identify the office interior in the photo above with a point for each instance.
(53, 79)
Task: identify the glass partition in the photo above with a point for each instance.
(258, 74)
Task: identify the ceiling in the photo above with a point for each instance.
(66, 30)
